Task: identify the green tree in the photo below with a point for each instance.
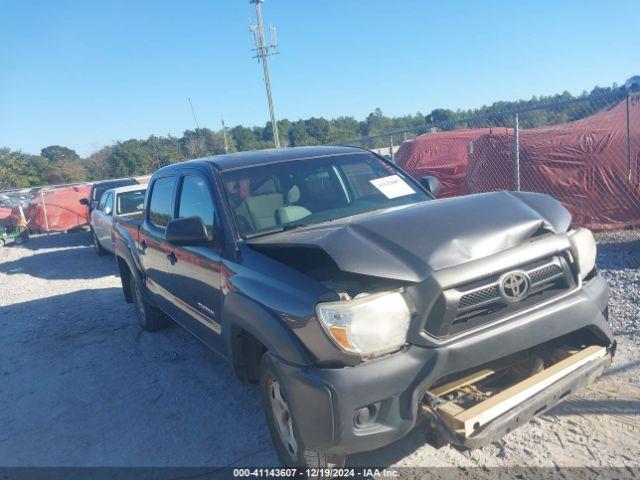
(56, 153)
(128, 159)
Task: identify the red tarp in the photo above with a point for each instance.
(64, 211)
(583, 164)
(4, 212)
(441, 154)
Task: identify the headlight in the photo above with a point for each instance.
(370, 325)
(584, 246)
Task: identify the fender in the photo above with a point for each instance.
(239, 311)
(124, 252)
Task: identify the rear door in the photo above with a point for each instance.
(153, 248)
(195, 271)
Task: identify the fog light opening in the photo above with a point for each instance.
(365, 416)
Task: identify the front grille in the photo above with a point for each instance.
(545, 273)
(478, 302)
(478, 296)
(484, 295)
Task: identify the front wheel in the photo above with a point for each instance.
(289, 446)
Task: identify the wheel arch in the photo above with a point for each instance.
(251, 330)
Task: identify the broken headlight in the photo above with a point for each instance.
(368, 325)
(584, 247)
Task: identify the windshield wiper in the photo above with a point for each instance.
(292, 226)
(263, 233)
(282, 228)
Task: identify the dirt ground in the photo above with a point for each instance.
(82, 385)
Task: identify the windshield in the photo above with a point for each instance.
(100, 188)
(284, 195)
(130, 202)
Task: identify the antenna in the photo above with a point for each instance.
(263, 52)
(224, 136)
(194, 113)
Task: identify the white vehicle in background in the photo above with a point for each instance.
(117, 202)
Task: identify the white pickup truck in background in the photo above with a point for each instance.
(117, 202)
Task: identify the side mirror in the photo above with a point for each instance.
(432, 184)
(186, 231)
(84, 201)
(107, 210)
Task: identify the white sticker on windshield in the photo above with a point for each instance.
(392, 186)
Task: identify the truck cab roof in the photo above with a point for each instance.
(231, 161)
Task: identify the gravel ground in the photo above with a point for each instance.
(82, 385)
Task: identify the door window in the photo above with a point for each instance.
(195, 201)
(103, 200)
(161, 203)
(108, 203)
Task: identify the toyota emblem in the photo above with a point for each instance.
(514, 286)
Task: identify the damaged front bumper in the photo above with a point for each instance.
(524, 411)
(353, 409)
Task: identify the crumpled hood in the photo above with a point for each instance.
(408, 243)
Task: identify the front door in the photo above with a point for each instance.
(153, 249)
(105, 220)
(195, 271)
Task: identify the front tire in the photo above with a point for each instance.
(286, 439)
(150, 317)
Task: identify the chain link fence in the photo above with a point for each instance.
(585, 152)
(51, 208)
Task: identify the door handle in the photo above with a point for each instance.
(143, 245)
(172, 258)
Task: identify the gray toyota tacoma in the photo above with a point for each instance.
(363, 306)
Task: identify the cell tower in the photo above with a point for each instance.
(263, 52)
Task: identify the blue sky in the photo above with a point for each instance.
(87, 73)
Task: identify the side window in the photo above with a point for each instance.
(103, 200)
(359, 175)
(323, 190)
(109, 202)
(195, 201)
(160, 205)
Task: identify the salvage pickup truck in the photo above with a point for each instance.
(363, 306)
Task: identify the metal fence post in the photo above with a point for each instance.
(44, 209)
(628, 141)
(391, 147)
(516, 150)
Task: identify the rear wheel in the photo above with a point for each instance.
(150, 318)
(96, 245)
(289, 445)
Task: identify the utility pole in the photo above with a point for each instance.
(224, 136)
(263, 52)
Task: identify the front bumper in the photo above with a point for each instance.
(325, 402)
(522, 413)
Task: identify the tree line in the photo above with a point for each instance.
(58, 164)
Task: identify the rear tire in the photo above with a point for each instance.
(150, 318)
(286, 439)
(96, 245)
